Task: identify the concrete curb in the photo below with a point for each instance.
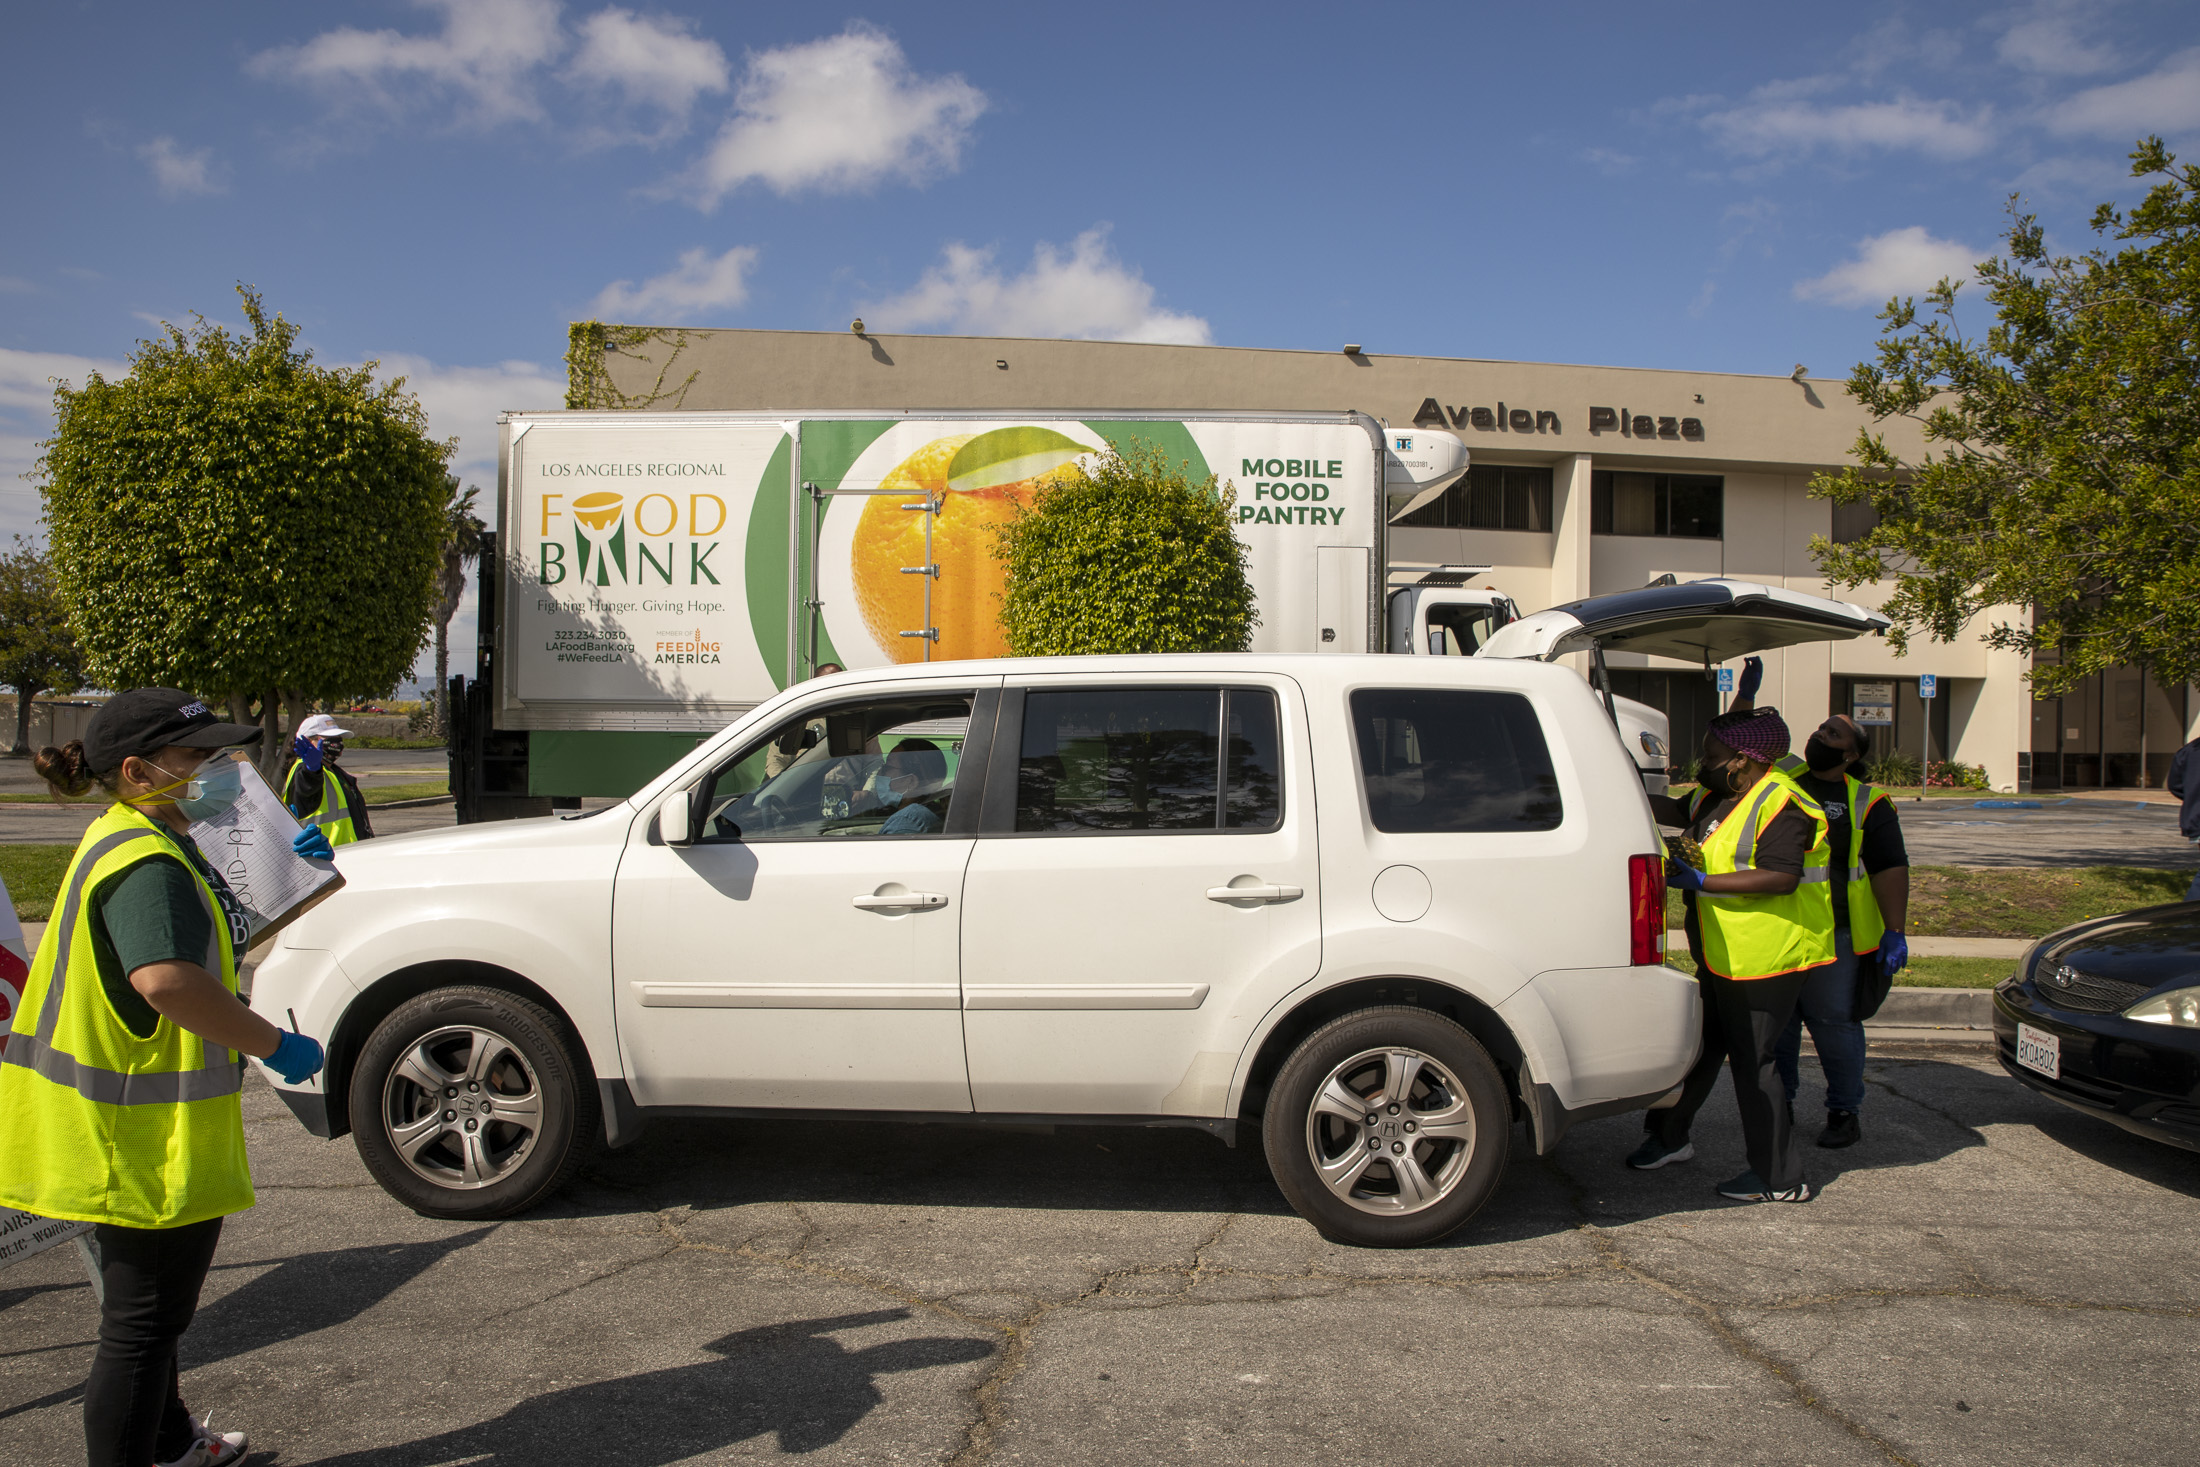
(419, 804)
(1962, 1008)
(1920, 947)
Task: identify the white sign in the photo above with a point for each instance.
(1928, 685)
(24, 1233)
(1872, 703)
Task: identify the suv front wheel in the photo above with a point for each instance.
(467, 1103)
(1388, 1128)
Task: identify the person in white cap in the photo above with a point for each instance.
(319, 792)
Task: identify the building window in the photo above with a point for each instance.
(1687, 506)
(1852, 522)
(1490, 497)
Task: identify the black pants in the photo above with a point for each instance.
(1742, 1025)
(133, 1406)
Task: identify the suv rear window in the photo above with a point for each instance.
(1148, 759)
(1439, 760)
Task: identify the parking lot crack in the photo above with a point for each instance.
(1715, 1321)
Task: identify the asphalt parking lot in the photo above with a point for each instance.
(1987, 1279)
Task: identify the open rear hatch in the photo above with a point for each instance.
(1703, 622)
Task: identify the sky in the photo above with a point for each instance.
(443, 185)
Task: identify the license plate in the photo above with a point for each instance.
(2039, 1050)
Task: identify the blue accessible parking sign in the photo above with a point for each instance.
(1928, 685)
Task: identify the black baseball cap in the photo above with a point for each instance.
(146, 720)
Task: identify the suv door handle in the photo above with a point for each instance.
(907, 901)
(1269, 893)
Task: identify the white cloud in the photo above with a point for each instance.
(177, 173)
(842, 113)
(2165, 100)
(701, 282)
(1777, 119)
(1086, 293)
(16, 285)
(2050, 39)
(463, 403)
(485, 57)
(26, 416)
(655, 62)
(1900, 262)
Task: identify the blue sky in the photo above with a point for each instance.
(444, 185)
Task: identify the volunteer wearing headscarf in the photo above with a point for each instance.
(1760, 922)
(319, 792)
(1871, 904)
(120, 1089)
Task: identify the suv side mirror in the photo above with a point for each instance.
(675, 825)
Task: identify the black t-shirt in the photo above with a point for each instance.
(1883, 847)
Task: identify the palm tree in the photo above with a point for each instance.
(462, 531)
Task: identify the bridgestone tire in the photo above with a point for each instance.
(1460, 1082)
(528, 1055)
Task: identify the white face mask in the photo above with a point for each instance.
(217, 786)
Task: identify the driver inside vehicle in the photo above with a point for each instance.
(854, 772)
(909, 783)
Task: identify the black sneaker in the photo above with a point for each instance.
(1749, 1187)
(1842, 1129)
(1653, 1153)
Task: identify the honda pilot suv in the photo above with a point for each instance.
(1377, 908)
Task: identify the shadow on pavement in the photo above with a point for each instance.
(790, 1379)
(309, 1293)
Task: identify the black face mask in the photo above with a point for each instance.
(1824, 758)
(1718, 778)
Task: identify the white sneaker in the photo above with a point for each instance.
(211, 1448)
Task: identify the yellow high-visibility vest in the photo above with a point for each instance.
(1758, 936)
(333, 815)
(1866, 926)
(96, 1124)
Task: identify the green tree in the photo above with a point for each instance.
(1126, 556)
(38, 653)
(462, 532)
(233, 519)
(2062, 464)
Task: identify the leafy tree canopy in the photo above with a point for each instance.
(233, 519)
(1126, 556)
(38, 653)
(2062, 467)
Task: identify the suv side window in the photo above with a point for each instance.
(1096, 760)
(1445, 760)
(862, 769)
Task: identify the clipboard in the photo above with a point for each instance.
(249, 844)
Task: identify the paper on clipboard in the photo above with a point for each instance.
(249, 844)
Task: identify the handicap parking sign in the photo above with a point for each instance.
(1726, 679)
(1928, 685)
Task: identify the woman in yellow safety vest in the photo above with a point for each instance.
(1760, 920)
(120, 1089)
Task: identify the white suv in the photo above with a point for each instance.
(1380, 906)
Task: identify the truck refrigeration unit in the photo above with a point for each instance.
(655, 574)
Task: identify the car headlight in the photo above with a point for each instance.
(2180, 1007)
(1652, 744)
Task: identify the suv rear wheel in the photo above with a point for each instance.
(1388, 1128)
(467, 1103)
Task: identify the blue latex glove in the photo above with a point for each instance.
(1894, 953)
(1683, 878)
(312, 843)
(308, 752)
(297, 1059)
(1752, 678)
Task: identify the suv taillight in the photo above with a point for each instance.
(1646, 911)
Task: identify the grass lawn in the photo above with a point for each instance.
(33, 875)
(388, 743)
(391, 793)
(1922, 972)
(2019, 901)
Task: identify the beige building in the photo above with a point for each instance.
(1585, 480)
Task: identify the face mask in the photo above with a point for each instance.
(217, 786)
(1824, 758)
(1719, 779)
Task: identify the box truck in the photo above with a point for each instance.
(653, 575)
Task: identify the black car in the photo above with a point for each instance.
(2105, 1017)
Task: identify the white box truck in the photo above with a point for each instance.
(655, 574)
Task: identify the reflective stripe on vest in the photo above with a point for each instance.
(1756, 936)
(332, 815)
(101, 1125)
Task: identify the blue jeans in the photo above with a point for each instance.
(1828, 1005)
